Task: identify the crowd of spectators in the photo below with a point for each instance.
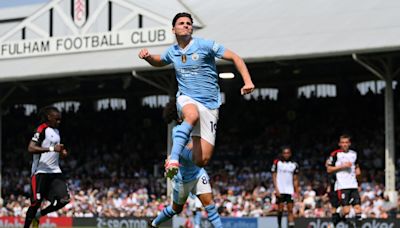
(115, 167)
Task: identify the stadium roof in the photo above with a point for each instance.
(258, 30)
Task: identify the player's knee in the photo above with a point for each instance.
(345, 210)
(64, 201)
(192, 118)
(60, 203)
(202, 162)
(178, 210)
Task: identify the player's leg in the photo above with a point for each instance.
(58, 194)
(180, 194)
(166, 214)
(188, 109)
(197, 213)
(357, 206)
(212, 211)
(344, 196)
(290, 214)
(333, 198)
(202, 151)
(37, 182)
(197, 218)
(204, 135)
(204, 192)
(280, 200)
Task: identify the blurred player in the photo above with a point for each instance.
(195, 206)
(285, 177)
(47, 179)
(344, 163)
(333, 195)
(198, 97)
(189, 179)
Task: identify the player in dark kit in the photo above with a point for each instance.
(285, 176)
(47, 181)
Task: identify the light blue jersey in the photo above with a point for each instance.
(196, 71)
(188, 171)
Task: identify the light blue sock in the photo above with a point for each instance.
(165, 215)
(197, 218)
(213, 216)
(187, 154)
(180, 139)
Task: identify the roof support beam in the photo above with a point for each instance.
(385, 71)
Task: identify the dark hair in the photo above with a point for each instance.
(45, 111)
(345, 136)
(283, 148)
(179, 15)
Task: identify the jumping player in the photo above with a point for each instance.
(198, 97)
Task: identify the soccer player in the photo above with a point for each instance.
(344, 163)
(189, 179)
(285, 177)
(47, 180)
(333, 196)
(198, 97)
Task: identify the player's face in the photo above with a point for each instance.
(54, 119)
(286, 154)
(183, 27)
(344, 144)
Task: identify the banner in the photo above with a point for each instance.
(227, 222)
(326, 223)
(127, 222)
(87, 42)
(45, 222)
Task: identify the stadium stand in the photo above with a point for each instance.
(115, 168)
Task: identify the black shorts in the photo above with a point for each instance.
(284, 198)
(349, 197)
(48, 186)
(334, 199)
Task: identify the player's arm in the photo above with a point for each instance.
(242, 68)
(275, 184)
(332, 169)
(274, 177)
(34, 148)
(154, 60)
(358, 170)
(296, 184)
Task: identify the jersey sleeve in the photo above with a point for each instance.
(297, 168)
(332, 159)
(39, 134)
(166, 57)
(216, 49)
(274, 167)
(356, 161)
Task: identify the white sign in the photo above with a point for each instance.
(87, 42)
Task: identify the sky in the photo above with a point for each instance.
(11, 3)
